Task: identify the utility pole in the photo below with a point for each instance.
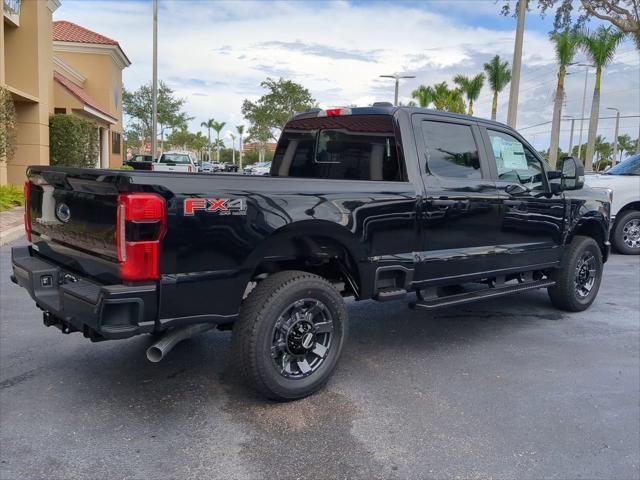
(154, 114)
(615, 136)
(584, 100)
(573, 121)
(517, 63)
(397, 79)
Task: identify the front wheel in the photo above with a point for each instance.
(578, 280)
(290, 334)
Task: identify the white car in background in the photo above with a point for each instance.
(184, 162)
(624, 181)
(263, 168)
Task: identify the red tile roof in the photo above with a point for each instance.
(80, 94)
(64, 31)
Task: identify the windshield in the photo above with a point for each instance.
(631, 166)
(177, 158)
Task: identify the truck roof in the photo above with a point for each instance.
(390, 110)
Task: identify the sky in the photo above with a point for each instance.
(214, 54)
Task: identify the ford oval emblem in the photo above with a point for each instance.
(63, 212)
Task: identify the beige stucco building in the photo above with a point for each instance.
(57, 67)
(26, 70)
(88, 83)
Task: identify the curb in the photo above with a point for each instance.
(11, 235)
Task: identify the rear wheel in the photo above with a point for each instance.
(578, 281)
(626, 233)
(290, 334)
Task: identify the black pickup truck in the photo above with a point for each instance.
(374, 203)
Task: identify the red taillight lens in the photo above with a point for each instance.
(189, 168)
(334, 112)
(27, 210)
(138, 255)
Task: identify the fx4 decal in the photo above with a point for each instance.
(221, 206)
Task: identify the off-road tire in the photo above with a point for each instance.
(564, 294)
(617, 236)
(253, 333)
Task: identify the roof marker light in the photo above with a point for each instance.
(334, 112)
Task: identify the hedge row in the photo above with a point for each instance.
(73, 141)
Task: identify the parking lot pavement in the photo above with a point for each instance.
(509, 388)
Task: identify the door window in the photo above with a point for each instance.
(515, 162)
(451, 150)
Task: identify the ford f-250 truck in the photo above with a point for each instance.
(374, 203)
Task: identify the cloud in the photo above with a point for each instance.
(215, 54)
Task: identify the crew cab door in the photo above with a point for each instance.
(531, 217)
(459, 216)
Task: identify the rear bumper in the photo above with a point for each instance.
(73, 303)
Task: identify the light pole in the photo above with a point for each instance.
(154, 114)
(397, 79)
(514, 89)
(615, 136)
(573, 121)
(584, 100)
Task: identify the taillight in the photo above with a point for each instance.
(27, 209)
(189, 168)
(140, 226)
(334, 112)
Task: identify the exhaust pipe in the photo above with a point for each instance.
(162, 347)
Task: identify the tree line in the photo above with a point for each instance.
(266, 117)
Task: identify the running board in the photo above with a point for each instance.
(469, 297)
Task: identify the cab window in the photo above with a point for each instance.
(515, 162)
(361, 147)
(451, 150)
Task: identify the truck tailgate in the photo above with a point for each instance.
(72, 214)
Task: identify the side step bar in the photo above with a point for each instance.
(462, 298)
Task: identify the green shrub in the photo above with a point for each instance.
(8, 129)
(10, 197)
(73, 141)
(126, 167)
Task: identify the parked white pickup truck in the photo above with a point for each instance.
(184, 162)
(624, 181)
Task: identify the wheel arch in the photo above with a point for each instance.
(594, 228)
(315, 246)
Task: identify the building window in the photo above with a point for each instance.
(115, 142)
(60, 111)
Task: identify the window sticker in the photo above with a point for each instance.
(509, 154)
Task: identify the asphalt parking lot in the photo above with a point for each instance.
(506, 389)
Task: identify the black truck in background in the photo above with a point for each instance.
(373, 203)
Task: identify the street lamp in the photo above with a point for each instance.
(615, 136)
(584, 99)
(154, 107)
(397, 79)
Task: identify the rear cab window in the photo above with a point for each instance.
(352, 147)
(177, 158)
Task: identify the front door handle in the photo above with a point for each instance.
(516, 189)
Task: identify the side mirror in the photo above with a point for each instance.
(572, 174)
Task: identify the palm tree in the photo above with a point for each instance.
(240, 129)
(449, 100)
(424, 95)
(600, 47)
(565, 44)
(442, 97)
(471, 87)
(208, 125)
(218, 126)
(498, 75)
